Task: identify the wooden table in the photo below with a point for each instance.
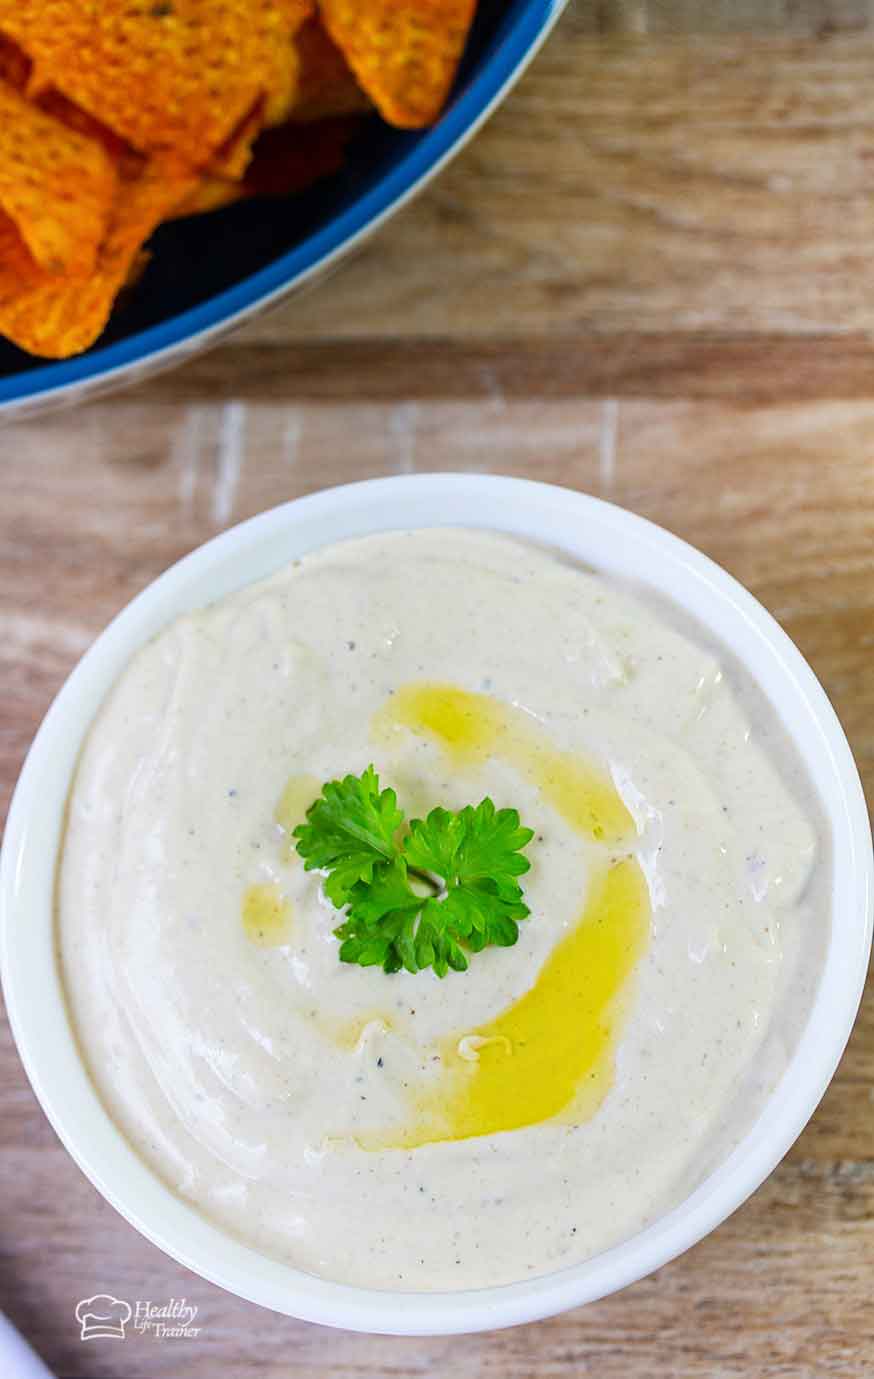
(650, 278)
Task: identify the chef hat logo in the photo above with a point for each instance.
(102, 1315)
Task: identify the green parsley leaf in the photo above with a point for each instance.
(350, 828)
(380, 922)
(472, 843)
(469, 859)
(476, 854)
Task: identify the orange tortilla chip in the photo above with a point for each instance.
(404, 52)
(138, 265)
(286, 159)
(284, 91)
(326, 85)
(167, 75)
(271, 108)
(283, 88)
(58, 315)
(56, 185)
(14, 66)
(128, 162)
(210, 194)
(232, 159)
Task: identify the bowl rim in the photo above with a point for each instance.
(610, 539)
(190, 331)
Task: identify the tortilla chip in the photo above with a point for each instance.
(285, 78)
(14, 66)
(232, 159)
(210, 194)
(167, 75)
(58, 315)
(55, 184)
(405, 53)
(138, 265)
(128, 161)
(326, 85)
(273, 106)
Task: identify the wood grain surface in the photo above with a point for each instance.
(650, 278)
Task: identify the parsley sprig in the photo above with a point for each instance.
(421, 898)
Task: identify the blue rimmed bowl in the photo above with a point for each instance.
(212, 272)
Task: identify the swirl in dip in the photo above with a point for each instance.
(400, 1131)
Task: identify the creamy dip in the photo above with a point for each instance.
(397, 1130)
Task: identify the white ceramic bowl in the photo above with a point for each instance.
(610, 540)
